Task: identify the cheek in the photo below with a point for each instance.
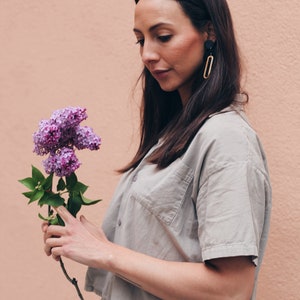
(191, 51)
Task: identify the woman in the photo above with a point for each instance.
(190, 217)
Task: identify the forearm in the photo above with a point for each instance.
(225, 278)
(178, 280)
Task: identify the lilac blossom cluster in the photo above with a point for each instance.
(59, 136)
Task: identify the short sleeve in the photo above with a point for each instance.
(230, 206)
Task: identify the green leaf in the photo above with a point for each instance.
(45, 218)
(71, 181)
(36, 195)
(28, 194)
(87, 201)
(60, 221)
(29, 183)
(80, 188)
(47, 183)
(52, 200)
(61, 185)
(74, 204)
(53, 220)
(37, 174)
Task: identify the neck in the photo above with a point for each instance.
(184, 96)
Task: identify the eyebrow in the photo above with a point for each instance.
(152, 28)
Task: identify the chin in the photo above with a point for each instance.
(166, 88)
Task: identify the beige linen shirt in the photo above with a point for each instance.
(213, 202)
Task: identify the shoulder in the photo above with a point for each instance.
(226, 138)
(226, 125)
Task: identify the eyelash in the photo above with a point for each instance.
(164, 38)
(161, 38)
(141, 42)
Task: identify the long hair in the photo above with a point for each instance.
(162, 114)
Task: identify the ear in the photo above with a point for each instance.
(211, 35)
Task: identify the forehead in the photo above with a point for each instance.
(151, 12)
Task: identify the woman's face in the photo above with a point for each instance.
(171, 47)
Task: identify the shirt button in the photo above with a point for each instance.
(119, 223)
(134, 178)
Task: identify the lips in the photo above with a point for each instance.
(160, 74)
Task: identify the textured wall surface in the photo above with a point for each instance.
(82, 53)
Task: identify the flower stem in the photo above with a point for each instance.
(73, 281)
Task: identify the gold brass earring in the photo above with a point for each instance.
(208, 45)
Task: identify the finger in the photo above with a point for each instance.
(44, 226)
(64, 214)
(47, 250)
(54, 242)
(86, 222)
(55, 252)
(92, 228)
(51, 243)
(55, 231)
(88, 225)
(48, 231)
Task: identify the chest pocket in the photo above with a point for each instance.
(162, 192)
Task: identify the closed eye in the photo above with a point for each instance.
(164, 38)
(161, 38)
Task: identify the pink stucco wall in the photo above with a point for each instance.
(82, 53)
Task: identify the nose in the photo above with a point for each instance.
(149, 53)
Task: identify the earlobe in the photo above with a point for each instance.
(211, 31)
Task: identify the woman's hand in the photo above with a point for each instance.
(79, 240)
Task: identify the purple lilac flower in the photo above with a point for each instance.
(67, 137)
(86, 139)
(59, 131)
(46, 138)
(50, 164)
(62, 163)
(68, 117)
(59, 136)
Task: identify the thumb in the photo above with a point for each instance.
(92, 228)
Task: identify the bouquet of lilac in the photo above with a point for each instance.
(58, 138)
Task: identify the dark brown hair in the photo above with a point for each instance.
(162, 114)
